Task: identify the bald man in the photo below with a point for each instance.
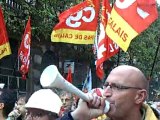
(126, 88)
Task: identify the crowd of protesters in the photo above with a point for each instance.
(126, 89)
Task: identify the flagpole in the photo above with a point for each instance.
(118, 56)
(98, 33)
(99, 18)
(113, 1)
(29, 82)
(155, 59)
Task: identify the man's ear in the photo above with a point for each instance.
(1, 105)
(141, 96)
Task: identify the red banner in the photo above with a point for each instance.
(129, 18)
(78, 24)
(106, 48)
(4, 43)
(24, 50)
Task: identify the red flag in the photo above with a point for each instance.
(4, 44)
(129, 18)
(24, 50)
(106, 48)
(69, 76)
(73, 24)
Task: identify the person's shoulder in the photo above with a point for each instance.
(151, 112)
(66, 116)
(156, 112)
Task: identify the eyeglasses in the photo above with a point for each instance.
(115, 86)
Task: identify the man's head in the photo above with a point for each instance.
(43, 104)
(67, 100)
(7, 101)
(126, 88)
(20, 106)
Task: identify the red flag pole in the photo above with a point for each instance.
(98, 32)
(24, 50)
(150, 76)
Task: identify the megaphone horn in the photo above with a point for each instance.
(51, 78)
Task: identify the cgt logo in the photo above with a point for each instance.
(123, 4)
(75, 21)
(27, 41)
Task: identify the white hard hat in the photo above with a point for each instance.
(45, 99)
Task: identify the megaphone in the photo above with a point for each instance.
(51, 78)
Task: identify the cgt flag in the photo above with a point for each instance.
(129, 18)
(24, 50)
(106, 48)
(4, 43)
(78, 24)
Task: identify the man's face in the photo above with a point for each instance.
(119, 92)
(66, 100)
(36, 114)
(20, 106)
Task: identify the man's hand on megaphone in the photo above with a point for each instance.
(91, 109)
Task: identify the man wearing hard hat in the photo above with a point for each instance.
(43, 104)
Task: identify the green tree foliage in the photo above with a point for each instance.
(44, 15)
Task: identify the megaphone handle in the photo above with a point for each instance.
(82, 95)
(71, 88)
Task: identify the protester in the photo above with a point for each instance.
(7, 101)
(19, 110)
(67, 100)
(126, 88)
(43, 104)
